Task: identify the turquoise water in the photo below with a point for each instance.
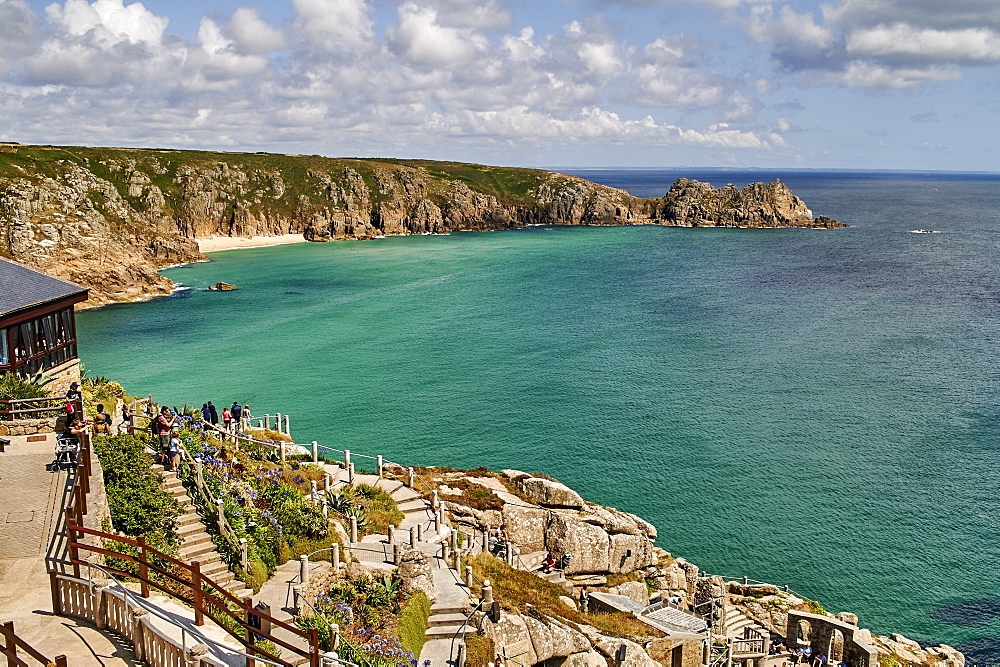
(812, 408)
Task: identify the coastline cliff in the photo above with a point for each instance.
(109, 219)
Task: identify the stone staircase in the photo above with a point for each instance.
(446, 621)
(196, 543)
(736, 624)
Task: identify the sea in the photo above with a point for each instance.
(813, 408)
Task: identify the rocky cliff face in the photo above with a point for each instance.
(108, 219)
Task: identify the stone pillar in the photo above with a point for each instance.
(380, 467)
(469, 578)
(335, 558)
(304, 570)
(409, 474)
(413, 536)
(350, 474)
(195, 654)
(315, 451)
(354, 530)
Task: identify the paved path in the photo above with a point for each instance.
(29, 515)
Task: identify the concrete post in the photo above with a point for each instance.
(267, 422)
(460, 662)
(435, 502)
(281, 446)
(221, 518)
(277, 422)
(335, 559)
(138, 629)
(437, 522)
(380, 468)
(288, 429)
(313, 492)
(244, 554)
(441, 524)
(315, 448)
(487, 594)
(454, 539)
(413, 536)
(350, 474)
(327, 481)
(194, 655)
(706, 653)
(409, 474)
(354, 530)
(304, 570)
(297, 593)
(420, 532)
(347, 458)
(469, 579)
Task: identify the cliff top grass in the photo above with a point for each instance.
(299, 173)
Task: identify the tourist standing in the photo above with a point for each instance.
(173, 451)
(206, 414)
(213, 415)
(102, 421)
(246, 416)
(73, 396)
(227, 418)
(162, 425)
(236, 411)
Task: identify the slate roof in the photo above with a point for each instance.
(22, 288)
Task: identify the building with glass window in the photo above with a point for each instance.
(37, 328)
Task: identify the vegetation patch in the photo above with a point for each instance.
(135, 501)
(413, 622)
(521, 592)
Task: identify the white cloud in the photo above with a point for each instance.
(422, 40)
(252, 35)
(334, 26)
(108, 22)
(968, 44)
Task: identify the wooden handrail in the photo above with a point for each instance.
(61, 399)
(13, 642)
(207, 597)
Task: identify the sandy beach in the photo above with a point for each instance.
(217, 243)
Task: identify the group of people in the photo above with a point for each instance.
(233, 417)
(804, 654)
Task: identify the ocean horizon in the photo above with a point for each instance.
(813, 408)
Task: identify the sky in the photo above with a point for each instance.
(842, 84)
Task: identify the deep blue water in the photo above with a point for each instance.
(817, 408)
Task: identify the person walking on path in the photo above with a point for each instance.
(246, 416)
(206, 414)
(213, 414)
(126, 419)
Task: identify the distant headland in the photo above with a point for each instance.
(109, 218)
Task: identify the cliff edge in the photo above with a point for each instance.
(109, 219)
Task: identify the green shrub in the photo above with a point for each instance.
(135, 501)
(12, 386)
(413, 622)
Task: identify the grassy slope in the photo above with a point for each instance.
(512, 185)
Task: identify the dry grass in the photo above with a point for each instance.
(522, 592)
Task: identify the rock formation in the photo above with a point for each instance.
(108, 219)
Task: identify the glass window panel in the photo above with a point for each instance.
(4, 352)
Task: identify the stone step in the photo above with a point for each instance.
(415, 505)
(189, 518)
(403, 494)
(444, 610)
(389, 485)
(195, 539)
(193, 553)
(453, 619)
(190, 528)
(446, 632)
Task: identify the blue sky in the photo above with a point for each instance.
(853, 84)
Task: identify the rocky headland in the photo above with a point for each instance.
(614, 559)
(109, 219)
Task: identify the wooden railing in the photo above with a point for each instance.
(35, 407)
(153, 568)
(12, 642)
